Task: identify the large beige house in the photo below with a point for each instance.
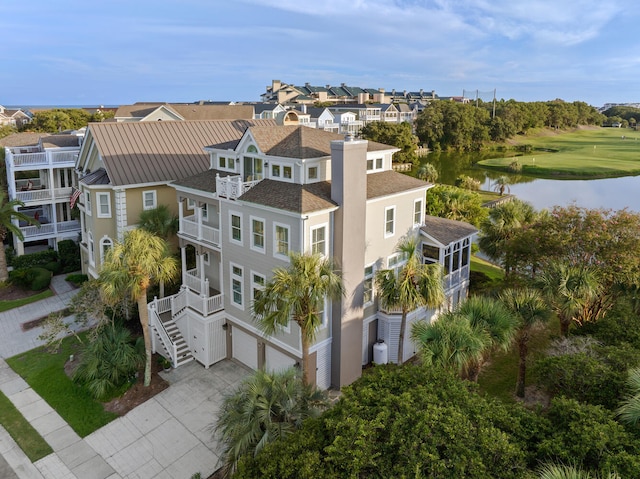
(125, 168)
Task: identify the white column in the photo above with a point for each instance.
(180, 215)
(183, 258)
(201, 271)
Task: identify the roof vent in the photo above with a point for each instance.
(348, 137)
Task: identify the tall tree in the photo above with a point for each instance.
(502, 225)
(266, 407)
(298, 293)
(399, 135)
(413, 286)
(501, 184)
(569, 291)
(456, 204)
(8, 213)
(130, 268)
(530, 309)
(161, 222)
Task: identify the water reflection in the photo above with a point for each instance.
(613, 193)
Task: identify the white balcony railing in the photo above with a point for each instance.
(189, 226)
(43, 158)
(232, 187)
(50, 229)
(30, 159)
(43, 195)
(205, 305)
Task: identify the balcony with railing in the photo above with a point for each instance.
(49, 230)
(193, 229)
(42, 194)
(41, 159)
(232, 187)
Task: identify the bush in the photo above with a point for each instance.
(69, 252)
(109, 361)
(468, 183)
(54, 266)
(34, 259)
(41, 278)
(77, 279)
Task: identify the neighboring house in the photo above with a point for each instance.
(278, 189)
(15, 118)
(125, 168)
(348, 122)
(321, 118)
(182, 112)
(41, 175)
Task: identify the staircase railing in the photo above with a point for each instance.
(158, 326)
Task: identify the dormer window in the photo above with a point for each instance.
(375, 164)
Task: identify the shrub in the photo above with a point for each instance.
(468, 183)
(34, 259)
(54, 266)
(69, 252)
(41, 278)
(109, 361)
(77, 279)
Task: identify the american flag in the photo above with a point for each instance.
(75, 194)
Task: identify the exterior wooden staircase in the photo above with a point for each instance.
(173, 345)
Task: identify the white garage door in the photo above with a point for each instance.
(245, 348)
(277, 361)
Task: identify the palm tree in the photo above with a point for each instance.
(298, 293)
(501, 184)
(8, 213)
(461, 339)
(555, 471)
(427, 172)
(629, 410)
(161, 222)
(502, 224)
(415, 285)
(490, 320)
(529, 307)
(448, 342)
(569, 290)
(130, 268)
(267, 406)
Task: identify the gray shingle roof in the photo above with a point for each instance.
(205, 181)
(447, 231)
(155, 151)
(391, 182)
(60, 141)
(291, 197)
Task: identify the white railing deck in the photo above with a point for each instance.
(50, 158)
(189, 226)
(44, 195)
(156, 324)
(52, 229)
(185, 298)
(232, 187)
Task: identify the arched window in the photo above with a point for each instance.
(106, 244)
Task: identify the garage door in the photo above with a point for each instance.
(277, 361)
(245, 348)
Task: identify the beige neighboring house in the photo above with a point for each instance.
(182, 112)
(278, 189)
(125, 168)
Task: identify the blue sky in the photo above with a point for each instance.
(121, 51)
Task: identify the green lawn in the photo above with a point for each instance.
(599, 152)
(21, 431)
(44, 372)
(15, 303)
(491, 270)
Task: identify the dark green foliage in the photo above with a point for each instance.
(34, 259)
(35, 278)
(455, 203)
(54, 266)
(596, 378)
(108, 361)
(69, 252)
(399, 135)
(404, 422)
(77, 279)
(621, 325)
(589, 436)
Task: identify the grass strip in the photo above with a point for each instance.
(494, 272)
(44, 372)
(33, 445)
(16, 303)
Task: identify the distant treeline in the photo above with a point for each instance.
(448, 125)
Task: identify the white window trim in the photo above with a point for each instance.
(87, 200)
(374, 167)
(154, 194)
(282, 167)
(103, 241)
(191, 204)
(99, 212)
(264, 234)
(317, 178)
(326, 240)
(231, 239)
(373, 283)
(206, 258)
(91, 248)
(324, 323)
(415, 202)
(277, 254)
(393, 232)
(240, 278)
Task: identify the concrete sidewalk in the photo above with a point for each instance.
(167, 437)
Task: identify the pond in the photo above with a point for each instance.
(610, 193)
